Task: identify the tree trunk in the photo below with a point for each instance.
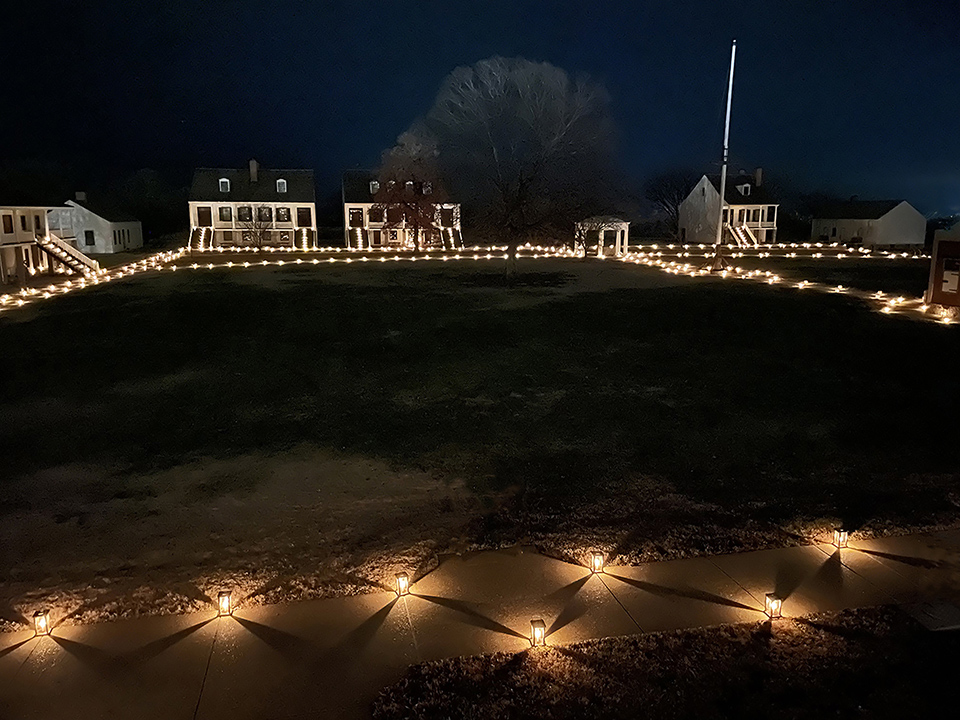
(510, 269)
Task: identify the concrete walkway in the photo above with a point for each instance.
(329, 658)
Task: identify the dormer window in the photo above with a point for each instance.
(374, 187)
(391, 185)
(427, 188)
(281, 185)
(224, 185)
(409, 186)
(744, 189)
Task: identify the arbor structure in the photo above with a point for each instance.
(527, 147)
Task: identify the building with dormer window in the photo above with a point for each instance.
(228, 207)
(749, 212)
(368, 224)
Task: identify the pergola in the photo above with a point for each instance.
(602, 224)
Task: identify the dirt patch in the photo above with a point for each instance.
(96, 543)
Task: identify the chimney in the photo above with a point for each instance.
(758, 177)
(253, 170)
(80, 196)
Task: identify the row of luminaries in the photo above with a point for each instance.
(773, 605)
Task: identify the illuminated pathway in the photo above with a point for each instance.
(329, 658)
(671, 258)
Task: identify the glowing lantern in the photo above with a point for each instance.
(840, 538)
(596, 561)
(773, 606)
(223, 603)
(538, 633)
(41, 622)
(403, 584)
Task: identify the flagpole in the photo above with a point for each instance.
(719, 263)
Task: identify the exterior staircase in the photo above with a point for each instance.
(743, 235)
(200, 237)
(67, 255)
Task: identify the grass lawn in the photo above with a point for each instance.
(901, 276)
(874, 663)
(297, 430)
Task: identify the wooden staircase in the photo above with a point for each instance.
(200, 237)
(742, 235)
(67, 255)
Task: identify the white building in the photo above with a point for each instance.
(95, 228)
(231, 207)
(870, 223)
(28, 246)
(367, 225)
(749, 212)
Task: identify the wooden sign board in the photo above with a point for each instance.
(944, 285)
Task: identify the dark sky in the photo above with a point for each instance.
(859, 96)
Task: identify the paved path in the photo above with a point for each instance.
(329, 658)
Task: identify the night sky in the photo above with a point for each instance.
(847, 97)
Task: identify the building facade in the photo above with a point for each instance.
(368, 224)
(869, 223)
(29, 247)
(749, 212)
(257, 206)
(95, 229)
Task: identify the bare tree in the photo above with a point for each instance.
(410, 190)
(529, 146)
(256, 230)
(667, 191)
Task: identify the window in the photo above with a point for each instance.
(834, 233)
(37, 224)
(226, 213)
(224, 185)
(446, 217)
(23, 223)
(374, 187)
(375, 215)
(8, 224)
(281, 185)
(391, 185)
(244, 214)
(394, 214)
(356, 218)
(115, 237)
(228, 237)
(703, 192)
(88, 237)
(744, 189)
(428, 188)
(408, 186)
(283, 214)
(265, 214)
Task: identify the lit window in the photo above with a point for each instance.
(224, 185)
(374, 187)
(281, 186)
(265, 214)
(226, 213)
(244, 213)
(283, 214)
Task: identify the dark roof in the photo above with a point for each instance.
(108, 210)
(356, 186)
(206, 185)
(855, 209)
(758, 195)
